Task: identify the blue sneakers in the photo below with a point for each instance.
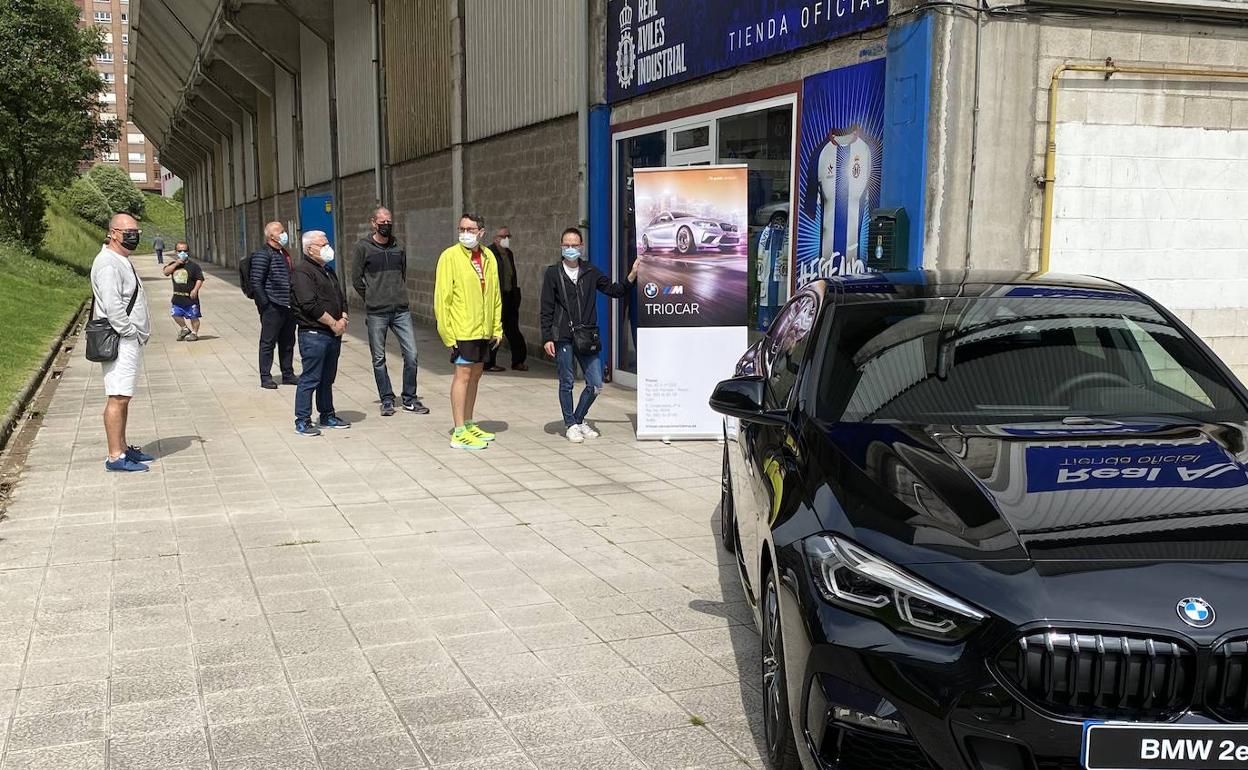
(306, 428)
(124, 464)
(136, 455)
(334, 421)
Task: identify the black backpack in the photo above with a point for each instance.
(244, 277)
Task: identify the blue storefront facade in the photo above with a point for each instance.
(826, 101)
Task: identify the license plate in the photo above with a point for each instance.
(1110, 746)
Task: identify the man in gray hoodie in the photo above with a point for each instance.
(379, 276)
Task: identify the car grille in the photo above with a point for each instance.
(1098, 676)
(860, 751)
(1226, 681)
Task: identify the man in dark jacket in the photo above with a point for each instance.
(270, 285)
(321, 312)
(379, 275)
(509, 288)
(568, 297)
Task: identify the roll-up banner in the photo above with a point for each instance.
(692, 244)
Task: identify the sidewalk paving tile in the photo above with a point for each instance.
(370, 599)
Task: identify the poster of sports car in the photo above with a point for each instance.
(692, 232)
(691, 278)
(842, 126)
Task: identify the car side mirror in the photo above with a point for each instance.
(742, 397)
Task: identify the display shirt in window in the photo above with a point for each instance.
(184, 280)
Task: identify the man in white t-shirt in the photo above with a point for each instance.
(113, 283)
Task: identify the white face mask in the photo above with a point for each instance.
(283, 239)
(468, 240)
(327, 254)
(505, 243)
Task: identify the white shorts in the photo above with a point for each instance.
(122, 373)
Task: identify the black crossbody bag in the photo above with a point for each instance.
(102, 339)
(585, 337)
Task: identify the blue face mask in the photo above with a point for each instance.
(283, 239)
(571, 253)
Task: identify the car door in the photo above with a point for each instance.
(771, 452)
(662, 232)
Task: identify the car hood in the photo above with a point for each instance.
(1032, 494)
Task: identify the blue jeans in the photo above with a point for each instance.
(591, 367)
(319, 351)
(401, 322)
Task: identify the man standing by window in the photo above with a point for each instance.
(379, 275)
(469, 312)
(509, 288)
(569, 301)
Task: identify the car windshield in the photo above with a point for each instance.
(681, 215)
(1006, 359)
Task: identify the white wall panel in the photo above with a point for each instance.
(356, 86)
(1160, 208)
(314, 80)
(283, 107)
(520, 63)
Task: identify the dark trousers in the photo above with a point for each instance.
(277, 329)
(160, 256)
(511, 330)
(319, 351)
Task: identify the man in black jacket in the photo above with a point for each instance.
(379, 275)
(270, 286)
(568, 298)
(321, 312)
(509, 289)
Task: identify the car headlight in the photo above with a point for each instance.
(852, 577)
(703, 223)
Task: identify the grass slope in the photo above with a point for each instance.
(163, 217)
(37, 298)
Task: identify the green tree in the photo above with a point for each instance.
(84, 198)
(179, 195)
(49, 108)
(119, 189)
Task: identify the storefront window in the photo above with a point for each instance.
(646, 151)
(764, 140)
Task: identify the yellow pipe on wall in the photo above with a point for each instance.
(1050, 152)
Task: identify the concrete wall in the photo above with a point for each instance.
(424, 222)
(526, 180)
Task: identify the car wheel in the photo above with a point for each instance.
(727, 522)
(684, 240)
(781, 745)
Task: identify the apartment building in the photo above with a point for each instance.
(133, 151)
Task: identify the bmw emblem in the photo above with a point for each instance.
(1197, 613)
(652, 290)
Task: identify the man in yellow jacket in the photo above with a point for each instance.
(469, 310)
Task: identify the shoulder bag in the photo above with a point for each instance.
(102, 338)
(586, 340)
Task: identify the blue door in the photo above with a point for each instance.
(316, 212)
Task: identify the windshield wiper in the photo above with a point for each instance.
(1125, 419)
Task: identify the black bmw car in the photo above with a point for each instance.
(991, 521)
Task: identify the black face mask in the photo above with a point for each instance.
(129, 239)
(384, 229)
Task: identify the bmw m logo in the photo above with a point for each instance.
(652, 290)
(1197, 613)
